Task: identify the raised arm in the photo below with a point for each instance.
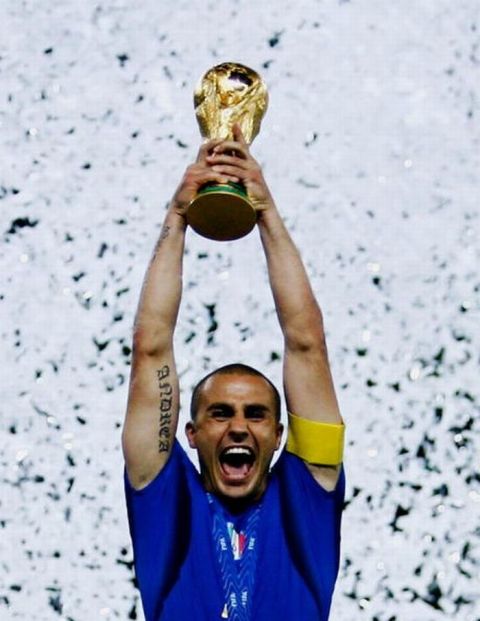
(309, 389)
(153, 402)
(308, 382)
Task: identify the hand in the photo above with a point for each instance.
(197, 175)
(232, 157)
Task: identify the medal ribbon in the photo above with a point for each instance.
(237, 576)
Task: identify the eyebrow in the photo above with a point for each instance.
(221, 405)
(257, 407)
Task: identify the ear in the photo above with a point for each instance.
(279, 436)
(190, 433)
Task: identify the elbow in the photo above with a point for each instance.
(308, 347)
(306, 339)
(151, 341)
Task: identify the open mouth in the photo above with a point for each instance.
(236, 462)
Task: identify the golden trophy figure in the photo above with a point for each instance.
(228, 93)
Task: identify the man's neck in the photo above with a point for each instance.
(237, 506)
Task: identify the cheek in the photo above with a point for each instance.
(269, 442)
(206, 443)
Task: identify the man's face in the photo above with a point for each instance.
(236, 434)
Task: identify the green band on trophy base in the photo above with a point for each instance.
(221, 212)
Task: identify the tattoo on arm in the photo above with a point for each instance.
(163, 235)
(165, 409)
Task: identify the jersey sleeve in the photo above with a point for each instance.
(312, 518)
(159, 516)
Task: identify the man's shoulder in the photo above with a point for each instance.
(177, 463)
(294, 473)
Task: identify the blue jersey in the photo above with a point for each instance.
(177, 565)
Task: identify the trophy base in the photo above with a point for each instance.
(221, 212)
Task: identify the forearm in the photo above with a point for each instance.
(162, 289)
(297, 309)
(298, 312)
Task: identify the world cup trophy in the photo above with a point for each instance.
(227, 94)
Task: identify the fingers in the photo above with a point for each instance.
(223, 176)
(228, 160)
(230, 157)
(217, 175)
(224, 158)
(206, 148)
(238, 134)
(232, 171)
(229, 146)
(237, 146)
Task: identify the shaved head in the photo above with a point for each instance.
(236, 368)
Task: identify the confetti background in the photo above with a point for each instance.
(371, 148)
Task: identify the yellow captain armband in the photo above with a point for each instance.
(314, 442)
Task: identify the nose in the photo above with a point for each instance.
(238, 430)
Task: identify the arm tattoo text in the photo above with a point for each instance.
(163, 235)
(165, 409)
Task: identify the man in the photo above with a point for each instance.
(235, 541)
